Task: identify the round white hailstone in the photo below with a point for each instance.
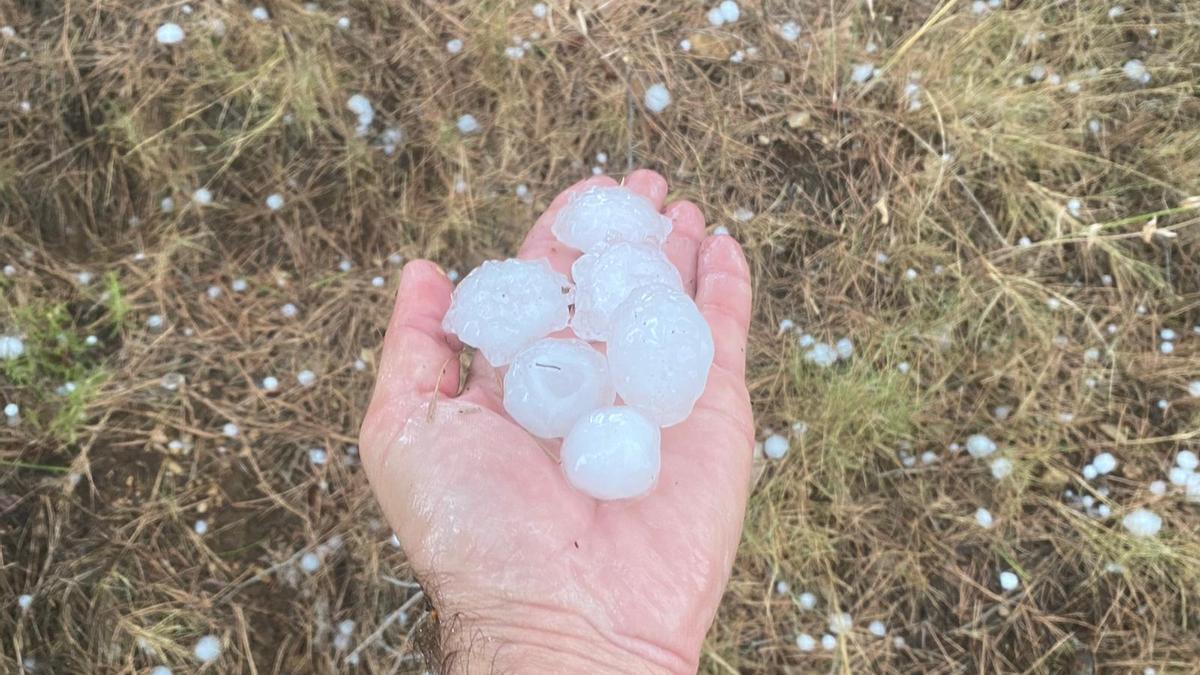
(1091, 354)
(1136, 70)
(452, 275)
(602, 158)
(200, 527)
(310, 562)
(598, 217)
(12, 410)
(345, 265)
(790, 31)
(1103, 511)
(828, 642)
(306, 378)
(167, 204)
(908, 460)
(1115, 11)
(207, 649)
(1158, 488)
(363, 110)
(8, 32)
(1002, 412)
(605, 280)
(169, 34)
(1141, 310)
(730, 12)
(275, 202)
(555, 382)
(270, 383)
(1074, 87)
(1167, 334)
(862, 72)
(685, 45)
(821, 354)
(467, 124)
(980, 446)
(903, 367)
(202, 196)
(715, 18)
(899, 642)
(514, 52)
(910, 274)
(343, 22)
(288, 311)
(881, 257)
(776, 446)
(1192, 488)
(1074, 206)
(1095, 127)
(154, 321)
(238, 285)
(260, 14)
(1167, 347)
(9, 270)
(230, 429)
(1187, 460)
(213, 292)
(786, 325)
(877, 628)
(1025, 242)
(503, 307)
(1088, 501)
(840, 622)
(979, 8)
(522, 191)
(807, 600)
(1104, 463)
(454, 45)
(805, 642)
(1142, 523)
(929, 457)
(743, 214)
(612, 453)
(346, 627)
(984, 518)
(1053, 304)
(720, 230)
(657, 97)
(377, 282)
(11, 347)
(25, 601)
(360, 365)
(1037, 73)
(539, 10)
(1090, 472)
(597, 170)
(1162, 404)
(318, 456)
(659, 352)
(1009, 581)
(1149, 671)
(1001, 468)
(845, 348)
(160, 670)
(954, 448)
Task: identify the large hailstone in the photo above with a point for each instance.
(503, 307)
(612, 453)
(659, 352)
(604, 280)
(600, 216)
(552, 384)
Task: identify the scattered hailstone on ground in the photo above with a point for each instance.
(502, 307)
(821, 354)
(167, 204)
(310, 562)
(11, 347)
(776, 446)
(657, 98)
(659, 353)
(604, 280)
(467, 124)
(154, 322)
(200, 527)
(554, 383)
(230, 429)
(270, 383)
(514, 52)
(288, 311)
(1187, 460)
(743, 214)
(980, 446)
(786, 325)
(1001, 468)
(840, 622)
(862, 72)
(306, 378)
(877, 628)
(343, 22)
(730, 12)
(25, 601)
(984, 518)
(599, 216)
(807, 600)
(612, 453)
(685, 45)
(169, 34)
(1135, 70)
(1089, 472)
(539, 10)
(454, 45)
(239, 285)
(805, 642)
(260, 14)
(844, 348)
(1009, 581)
(207, 649)
(1167, 347)
(1105, 463)
(365, 112)
(377, 282)
(1142, 523)
(318, 456)
(828, 642)
(790, 31)
(275, 202)
(1158, 488)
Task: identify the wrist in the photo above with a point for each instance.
(524, 638)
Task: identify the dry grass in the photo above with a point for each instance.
(97, 504)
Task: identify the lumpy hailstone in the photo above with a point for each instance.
(503, 307)
(554, 383)
(604, 280)
(612, 453)
(657, 98)
(980, 446)
(599, 216)
(169, 34)
(1142, 523)
(659, 353)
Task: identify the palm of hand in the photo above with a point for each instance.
(485, 515)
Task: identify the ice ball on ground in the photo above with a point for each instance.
(730, 11)
(805, 642)
(821, 354)
(503, 307)
(361, 107)
(555, 382)
(260, 14)
(715, 17)
(862, 72)
(11, 347)
(306, 378)
(160, 670)
(1089, 472)
(984, 518)
(657, 98)
(659, 352)
(25, 601)
(1001, 468)
(310, 562)
(790, 31)
(1009, 581)
(539, 10)
(845, 348)
(1187, 460)
(1136, 70)
(840, 622)
(467, 124)
(1158, 488)
(604, 280)
(1104, 463)
(612, 453)
(207, 649)
(1142, 523)
(275, 202)
(776, 446)
(169, 34)
(980, 446)
(807, 600)
(877, 628)
(454, 45)
(828, 642)
(1194, 388)
(600, 216)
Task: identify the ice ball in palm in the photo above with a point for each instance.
(612, 453)
(604, 280)
(555, 382)
(600, 216)
(503, 307)
(659, 353)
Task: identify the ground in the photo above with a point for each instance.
(838, 179)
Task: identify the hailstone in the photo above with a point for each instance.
(612, 453)
(503, 307)
(659, 351)
(604, 280)
(553, 383)
(600, 216)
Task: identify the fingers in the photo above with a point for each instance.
(687, 231)
(723, 295)
(418, 357)
(648, 184)
(540, 242)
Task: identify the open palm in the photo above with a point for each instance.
(528, 573)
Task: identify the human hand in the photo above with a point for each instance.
(528, 574)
